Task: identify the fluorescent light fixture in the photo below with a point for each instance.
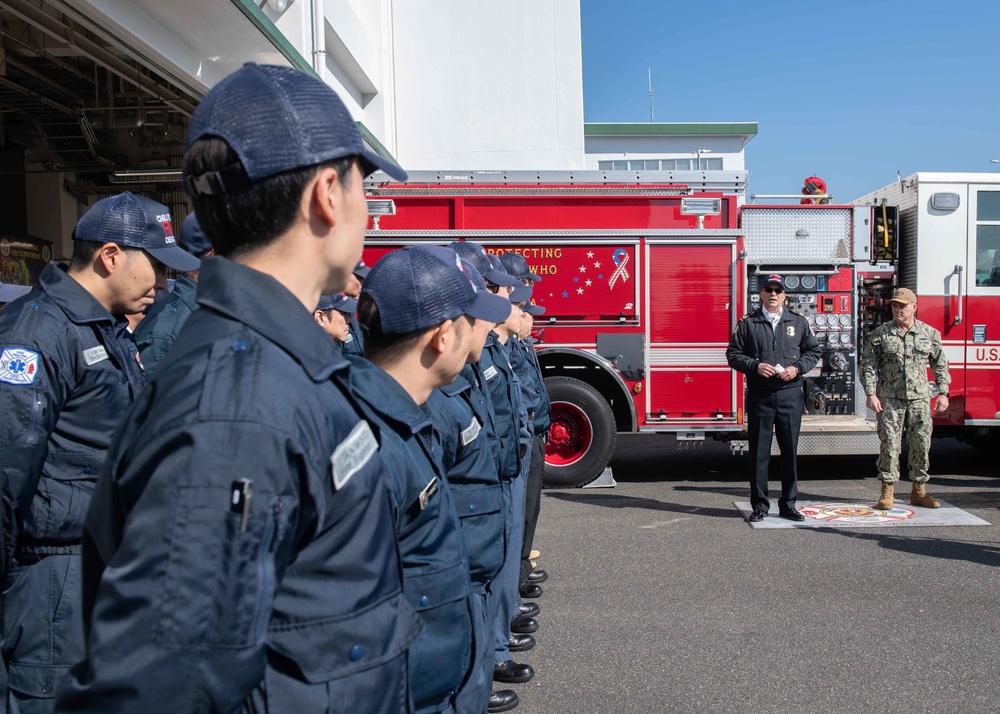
(381, 207)
(701, 206)
(945, 201)
(146, 176)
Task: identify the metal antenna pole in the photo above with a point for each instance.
(650, 72)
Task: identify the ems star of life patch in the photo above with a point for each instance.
(18, 366)
(353, 453)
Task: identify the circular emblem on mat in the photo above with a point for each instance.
(854, 513)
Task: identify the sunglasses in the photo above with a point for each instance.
(774, 291)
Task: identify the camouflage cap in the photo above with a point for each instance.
(904, 296)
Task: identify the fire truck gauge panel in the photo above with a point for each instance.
(845, 339)
(808, 282)
(791, 282)
(845, 320)
(821, 320)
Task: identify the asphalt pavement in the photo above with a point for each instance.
(661, 598)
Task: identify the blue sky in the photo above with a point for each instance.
(848, 91)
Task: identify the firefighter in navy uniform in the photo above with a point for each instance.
(162, 323)
(533, 390)
(419, 310)
(472, 473)
(774, 347)
(355, 342)
(68, 373)
(240, 550)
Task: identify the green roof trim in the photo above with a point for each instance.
(708, 128)
(375, 143)
(263, 23)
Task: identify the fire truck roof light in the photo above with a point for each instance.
(701, 206)
(381, 207)
(945, 201)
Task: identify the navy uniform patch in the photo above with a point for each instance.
(18, 366)
(790, 330)
(490, 372)
(95, 355)
(352, 453)
(470, 433)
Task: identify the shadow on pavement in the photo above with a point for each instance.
(972, 552)
(615, 501)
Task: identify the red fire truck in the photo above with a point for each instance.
(643, 278)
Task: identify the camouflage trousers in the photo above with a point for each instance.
(910, 418)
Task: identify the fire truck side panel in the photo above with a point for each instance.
(692, 309)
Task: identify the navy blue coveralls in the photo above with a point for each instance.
(504, 395)
(435, 563)
(773, 405)
(355, 344)
(163, 322)
(68, 373)
(541, 420)
(200, 596)
(472, 474)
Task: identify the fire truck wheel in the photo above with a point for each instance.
(582, 434)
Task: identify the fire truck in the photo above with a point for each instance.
(644, 275)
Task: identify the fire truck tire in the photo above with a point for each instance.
(582, 434)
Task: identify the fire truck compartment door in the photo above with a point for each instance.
(981, 321)
(626, 352)
(692, 305)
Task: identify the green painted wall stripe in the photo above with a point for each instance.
(375, 143)
(263, 23)
(669, 128)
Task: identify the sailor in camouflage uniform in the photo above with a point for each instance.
(894, 376)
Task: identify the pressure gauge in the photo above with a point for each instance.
(831, 324)
(820, 320)
(808, 282)
(845, 338)
(821, 337)
(810, 319)
(845, 320)
(791, 282)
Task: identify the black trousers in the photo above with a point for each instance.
(779, 413)
(532, 503)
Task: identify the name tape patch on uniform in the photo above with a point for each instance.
(350, 337)
(95, 355)
(18, 366)
(470, 433)
(353, 453)
(490, 372)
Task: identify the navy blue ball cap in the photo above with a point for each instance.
(338, 301)
(489, 300)
(193, 238)
(276, 119)
(521, 293)
(534, 309)
(361, 270)
(10, 293)
(516, 265)
(477, 255)
(418, 287)
(135, 222)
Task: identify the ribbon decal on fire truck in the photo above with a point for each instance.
(620, 257)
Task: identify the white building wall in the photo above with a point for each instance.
(487, 85)
(665, 146)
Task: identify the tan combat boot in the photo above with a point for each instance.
(885, 498)
(920, 497)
